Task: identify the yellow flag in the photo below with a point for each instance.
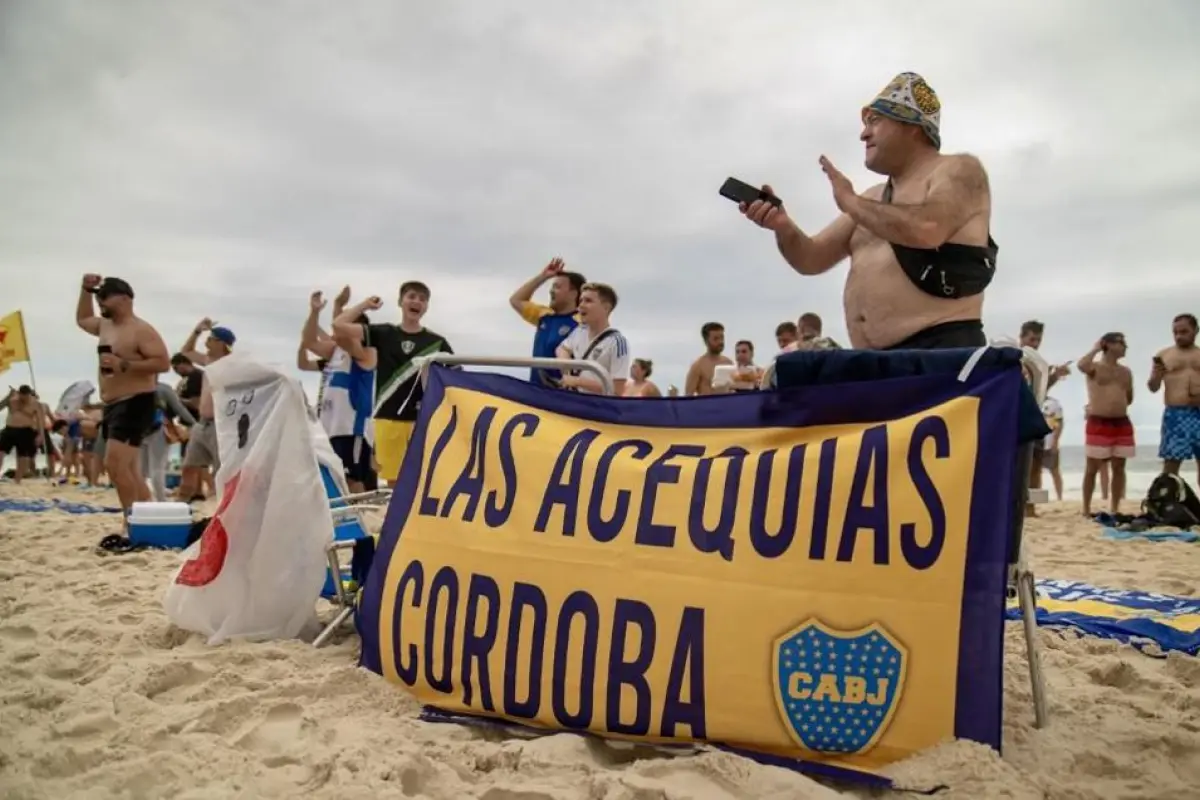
(12, 340)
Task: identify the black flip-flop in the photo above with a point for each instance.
(116, 543)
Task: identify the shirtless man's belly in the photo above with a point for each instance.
(883, 307)
(1109, 433)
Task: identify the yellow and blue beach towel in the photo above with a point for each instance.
(1137, 618)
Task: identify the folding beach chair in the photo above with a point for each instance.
(810, 367)
(349, 529)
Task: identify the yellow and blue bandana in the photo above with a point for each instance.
(909, 99)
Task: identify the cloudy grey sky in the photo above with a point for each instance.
(228, 157)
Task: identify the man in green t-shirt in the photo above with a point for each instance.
(397, 388)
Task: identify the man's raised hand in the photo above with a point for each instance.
(316, 302)
(843, 189)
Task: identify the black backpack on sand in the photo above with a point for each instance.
(1170, 501)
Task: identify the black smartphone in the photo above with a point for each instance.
(742, 192)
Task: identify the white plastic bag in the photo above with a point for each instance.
(259, 567)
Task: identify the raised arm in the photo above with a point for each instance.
(346, 324)
(958, 191)
(1087, 364)
(305, 362)
(312, 338)
(817, 254)
(522, 299)
(189, 346)
(85, 309)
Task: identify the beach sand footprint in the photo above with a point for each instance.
(169, 677)
(275, 733)
(18, 633)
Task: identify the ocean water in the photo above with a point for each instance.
(1140, 471)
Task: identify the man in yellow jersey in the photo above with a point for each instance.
(397, 387)
(553, 322)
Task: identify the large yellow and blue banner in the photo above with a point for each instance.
(813, 577)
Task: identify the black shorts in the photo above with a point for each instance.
(129, 421)
(357, 469)
(947, 336)
(23, 440)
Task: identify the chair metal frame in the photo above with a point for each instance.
(346, 508)
(1021, 582)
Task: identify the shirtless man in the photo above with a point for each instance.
(201, 451)
(132, 355)
(919, 245)
(1109, 433)
(639, 384)
(22, 431)
(1177, 371)
(700, 374)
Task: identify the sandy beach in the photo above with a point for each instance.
(102, 698)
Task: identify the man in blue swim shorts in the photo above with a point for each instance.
(1177, 371)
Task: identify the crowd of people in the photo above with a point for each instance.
(921, 257)
(1109, 434)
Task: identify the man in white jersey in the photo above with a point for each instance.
(596, 341)
(347, 394)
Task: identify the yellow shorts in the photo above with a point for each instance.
(391, 443)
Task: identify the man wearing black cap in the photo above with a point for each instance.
(920, 248)
(202, 452)
(132, 354)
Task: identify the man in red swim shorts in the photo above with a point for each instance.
(1109, 432)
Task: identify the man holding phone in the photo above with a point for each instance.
(920, 248)
(132, 355)
(1176, 370)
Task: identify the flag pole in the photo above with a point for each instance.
(45, 434)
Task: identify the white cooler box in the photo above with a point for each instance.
(160, 524)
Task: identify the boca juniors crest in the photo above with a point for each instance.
(837, 691)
